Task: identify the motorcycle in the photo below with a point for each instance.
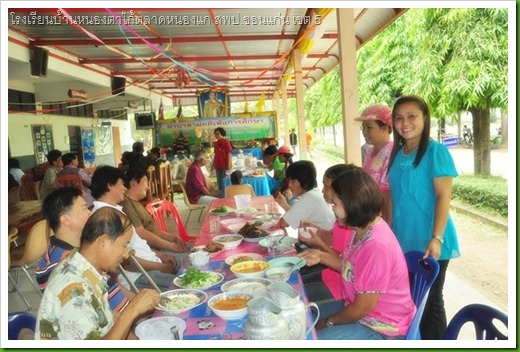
(467, 139)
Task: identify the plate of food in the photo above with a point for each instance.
(242, 257)
(253, 285)
(234, 224)
(213, 248)
(252, 232)
(200, 280)
(280, 241)
(223, 210)
(257, 173)
(178, 301)
(248, 212)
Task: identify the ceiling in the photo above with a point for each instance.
(222, 48)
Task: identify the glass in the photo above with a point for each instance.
(214, 224)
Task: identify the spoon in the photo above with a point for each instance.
(175, 332)
(293, 265)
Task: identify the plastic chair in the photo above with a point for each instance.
(191, 207)
(422, 275)
(233, 190)
(28, 189)
(14, 195)
(18, 321)
(69, 181)
(35, 246)
(159, 209)
(482, 317)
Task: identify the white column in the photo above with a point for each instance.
(349, 85)
(300, 111)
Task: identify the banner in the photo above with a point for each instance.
(201, 130)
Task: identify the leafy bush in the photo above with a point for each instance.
(330, 151)
(488, 193)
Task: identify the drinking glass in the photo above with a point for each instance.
(214, 224)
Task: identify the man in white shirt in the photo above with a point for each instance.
(109, 190)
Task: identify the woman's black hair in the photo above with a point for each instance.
(399, 141)
(104, 221)
(360, 196)
(236, 177)
(305, 172)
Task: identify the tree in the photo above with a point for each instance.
(465, 53)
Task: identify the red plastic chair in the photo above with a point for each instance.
(159, 209)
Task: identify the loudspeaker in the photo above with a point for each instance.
(118, 85)
(39, 60)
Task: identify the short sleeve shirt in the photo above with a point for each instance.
(74, 305)
(195, 181)
(222, 150)
(377, 165)
(311, 206)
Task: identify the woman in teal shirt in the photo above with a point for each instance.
(421, 174)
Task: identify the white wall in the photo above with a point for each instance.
(20, 135)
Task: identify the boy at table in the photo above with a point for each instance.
(109, 190)
(67, 212)
(136, 183)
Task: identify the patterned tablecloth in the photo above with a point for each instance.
(201, 323)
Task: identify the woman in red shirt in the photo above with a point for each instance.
(223, 157)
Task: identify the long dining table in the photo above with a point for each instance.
(201, 322)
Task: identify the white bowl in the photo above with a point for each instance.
(247, 213)
(181, 300)
(254, 268)
(226, 297)
(305, 233)
(253, 285)
(230, 260)
(278, 274)
(199, 258)
(233, 225)
(229, 241)
(159, 328)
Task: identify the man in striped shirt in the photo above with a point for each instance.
(67, 212)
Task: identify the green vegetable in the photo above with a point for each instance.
(221, 209)
(194, 278)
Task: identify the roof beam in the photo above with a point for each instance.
(173, 40)
(193, 58)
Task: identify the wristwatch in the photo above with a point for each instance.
(328, 323)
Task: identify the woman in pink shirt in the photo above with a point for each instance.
(377, 126)
(374, 276)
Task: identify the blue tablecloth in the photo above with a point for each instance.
(260, 184)
(255, 152)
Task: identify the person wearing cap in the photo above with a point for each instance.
(377, 126)
(280, 163)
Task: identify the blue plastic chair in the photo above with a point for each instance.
(482, 317)
(18, 321)
(422, 275)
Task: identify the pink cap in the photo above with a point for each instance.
(377, 112)
(284, 150)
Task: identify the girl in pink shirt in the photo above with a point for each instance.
(377, 126)
(374, 275)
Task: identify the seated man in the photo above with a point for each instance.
(70, 167)
(56, 164)
(136, 182)
(66, 212)
(196, 185)
(75, 305)
(109, 190)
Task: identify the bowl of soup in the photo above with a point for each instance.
(229, 241)
(252, 268)
(230, 305)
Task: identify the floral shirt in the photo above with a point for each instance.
(75, 303)
(377, 165)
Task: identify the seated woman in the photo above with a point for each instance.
(375, 287)
(237, 187)
(310, 206)
(323, 284)
(75, 303)
(269, 156)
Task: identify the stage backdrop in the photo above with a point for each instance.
(199, 130)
